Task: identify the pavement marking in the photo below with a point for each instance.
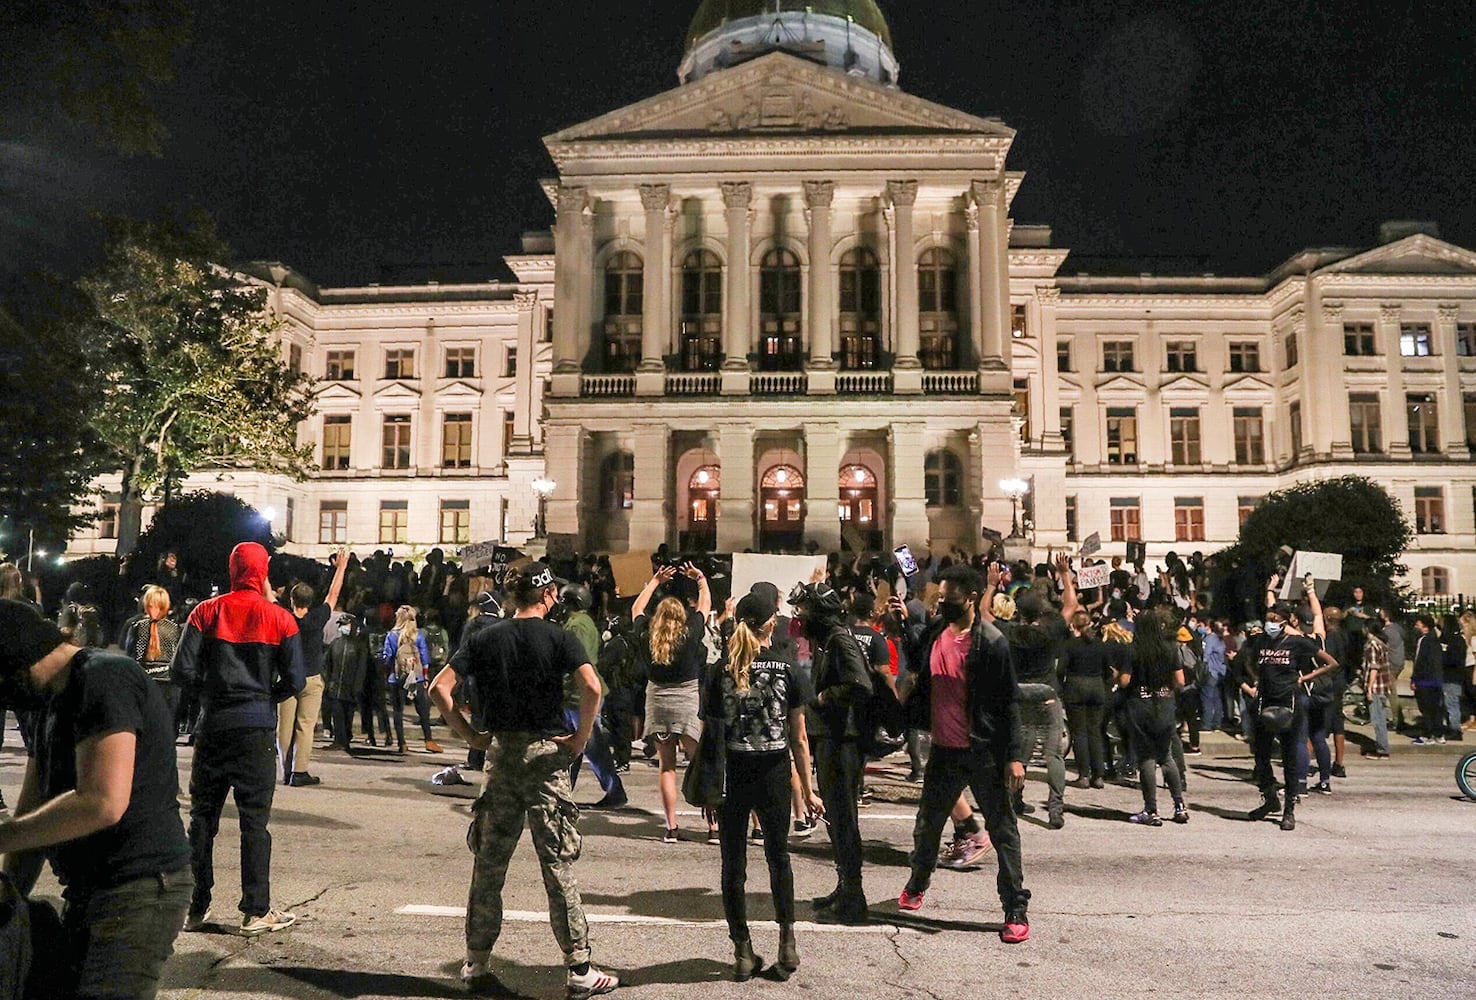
(539, 917)
(865, 815)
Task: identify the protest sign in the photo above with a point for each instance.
(1092, 577)
(782, 571)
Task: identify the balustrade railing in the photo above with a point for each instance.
(607, 385)
(694, 384)
(863, 383)
(777, 383)
(950, 383)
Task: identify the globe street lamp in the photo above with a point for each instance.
(1015, 489)
(543, 488)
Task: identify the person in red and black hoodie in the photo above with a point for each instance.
(243, 653)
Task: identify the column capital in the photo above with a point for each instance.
(971, 216)
(902, 192)
(1389, 311)
(1448, 312)
(572, 199)
(819, 194)
(737, 194)
(656, 197)
(525, 299)
(1332, 312)
(1049, 295)
(987, 192)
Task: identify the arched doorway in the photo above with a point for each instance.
(704, 489)
(858, 504)
(782, 509)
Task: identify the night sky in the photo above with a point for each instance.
(382, 141)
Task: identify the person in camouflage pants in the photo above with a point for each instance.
(527, 781)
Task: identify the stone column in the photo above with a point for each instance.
(650, 376)
(1050, 380)
(563, 446)
(1452, 413)
(570, 242)
(993, 267)
(1396, 417)
(1327, 427)
(901, 199)
(527, 302)
(648, 515)
(819, 196)
(737, 321)
(735, 529)
(822, 485)
(910, 524)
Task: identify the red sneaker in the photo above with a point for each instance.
(1016, 929)
(910, 900)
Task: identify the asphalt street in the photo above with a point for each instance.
(1370, 896)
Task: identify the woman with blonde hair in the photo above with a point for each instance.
(760, 701)
(151, 638)
(406, 656)
(670, 645)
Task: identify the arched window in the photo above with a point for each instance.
(624, 301)
(858, 497)
(617, 482)
(860, 309)
(781, 347)
(703, 492)
(937, 288)
(943, 479)
(1434, 581)
(702, 312)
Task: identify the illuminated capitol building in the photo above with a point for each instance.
(785, 302)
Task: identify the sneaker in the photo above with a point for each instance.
(197, 920)
(611, 800)
(803, 829)
(948, 856)
(1421, 741)
(1097, 782)
(1145, 818)
(866, 800)
(268, 923)
(669, 837)
(448, 776)
(1181, 813)
(756, 835)
(1339, 771)
(1016, 928)
(1321, 788)
(1057, 818)
(478, 978)
(1375, 754)
(591, 984)
(622, 768)
(914, 777)
(1440, 741)
(1288, 820)
(910, 900)
(1193, 752)
(971, 851)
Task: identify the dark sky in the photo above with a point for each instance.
(376, 140)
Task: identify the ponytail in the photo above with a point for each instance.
(743, 648)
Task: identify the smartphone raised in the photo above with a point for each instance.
(905, 560)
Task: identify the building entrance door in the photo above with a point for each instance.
(782, 509)
(703, 491)
(858, 505)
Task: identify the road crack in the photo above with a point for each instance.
(895, 937)
(320, 894)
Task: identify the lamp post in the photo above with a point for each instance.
(543, 488)
(1015, 489)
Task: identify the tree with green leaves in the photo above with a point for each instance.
(188, 365)
(1352, 515)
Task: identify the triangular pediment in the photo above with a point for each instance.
(1417, 254)
(458, 390)
(1185, 386)
(338, 392)
(779, 94)
(397, 392)
(1248, 387)
(1121, 385)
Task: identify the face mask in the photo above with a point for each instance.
(559, 613)
(1274, 629)
(952, 612)
(345, 630)
(1117, 595)
(796, 628)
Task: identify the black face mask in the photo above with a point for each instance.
(559, 613)
(952, 612)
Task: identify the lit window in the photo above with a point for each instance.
(399, 363)
(1189, 519)
(1429, 510)
(396, 442)
(624, 301)
(340, 366)
(860, 309)
(456, 441)
(1124, 520)
(1415, 340)
(1019, 327)
(337, 439)
(1434, 581)
(455, 522)
(394, 522)
(780, 345)
(1245, 506)
(333, 522)
(702, 312)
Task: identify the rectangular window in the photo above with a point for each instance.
(1245, 356)
(1122, 436)
(1188, 519)
(1244, 506)
(455, 522)
(1125, 522)
(1071, 529)
(1021, 409)
(546, 335)
(1429, 510)
(1466, 340)
(333, 522)
(338, 430)
(456, 441)
(1183, 356)
(1292, 353)
(1424, 423)
(1019, 329)
(1250, 445)
(1415, 340)
(340, 366)
(399, 363)
(1068, 430)
(510, 364)
(1296, 429)
(1470, 401)
(1063, 356)
(1117, 356)
(461, 362)
(289, 528)
(294, 357)
(396, 442)
(509, 426)
(1358, 340)
(108, 518)
(1366, 423)
(394, 522)
(1184, 436)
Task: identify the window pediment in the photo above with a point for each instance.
(1186, 388)
(1250, 388)
(1122, 387)
(396, 391)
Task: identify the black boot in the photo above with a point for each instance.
(745, 963)
(1269, 804)
(1288, 818)
(788, 953)
(826, 901)
(849, 908)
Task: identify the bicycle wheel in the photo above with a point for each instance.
(1466, 775)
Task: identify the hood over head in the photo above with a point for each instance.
(249, 567)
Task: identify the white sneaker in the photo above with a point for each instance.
(478, 977)
(591, 984)
(268, 923)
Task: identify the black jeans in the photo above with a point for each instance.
(1086, 700)
(171, 694)
(757, 782)
(619, 723)
(948, 773)
(1431, 702)
(1191, 711)
(416, 696)
(1288, 740)
(341, 719)
(371, 706)
(1151, 722)
(116, 940)
(838, 765)
(242, 762)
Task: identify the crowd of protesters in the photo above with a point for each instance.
(988, 664)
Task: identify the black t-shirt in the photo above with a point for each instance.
(107, 694)
(1090, 659)
(518, 668)
(757, 720)
(691, 655)
(310, 626)
(1279, 665)
(875, 646)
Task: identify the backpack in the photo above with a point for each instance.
(407, 663)
(1196, 673)
(440, 645)
(84, 624)
(880, 721)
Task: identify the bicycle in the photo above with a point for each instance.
(1465, 774)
